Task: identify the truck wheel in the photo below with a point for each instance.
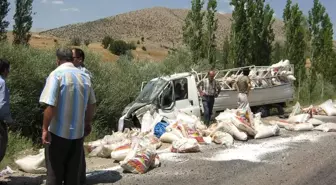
(3, 141)
(264, 110)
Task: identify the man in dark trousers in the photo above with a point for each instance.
(209, 89)
(70, 103)
(5, 114)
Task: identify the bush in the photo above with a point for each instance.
(144, 48)
(87, 42)
(138, 42)
(76, 41)
(119, 47)
(132, 46)
(107, 40)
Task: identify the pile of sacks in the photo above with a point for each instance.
(308, 119)
(276, 74)
(133, 149)
(241, 123)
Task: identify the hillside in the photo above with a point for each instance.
(159, 26)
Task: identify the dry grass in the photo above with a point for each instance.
(158, 25)
(46, 42)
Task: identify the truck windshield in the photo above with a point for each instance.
(150, 91)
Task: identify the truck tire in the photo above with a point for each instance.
(264, 110)
(3, 141)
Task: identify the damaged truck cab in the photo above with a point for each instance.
(165, 95)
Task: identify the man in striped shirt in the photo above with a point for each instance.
(209, 90)
(70, 103)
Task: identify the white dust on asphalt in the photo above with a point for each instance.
(256, 152)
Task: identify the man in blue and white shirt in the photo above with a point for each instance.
(70, 103)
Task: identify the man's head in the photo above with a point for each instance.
(211, 75)
(4, 68)
(64, 55)
(78, 56)
(246, 71)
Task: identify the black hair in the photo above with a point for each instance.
(64, 54)
(4, 65)
(246, 71)
(79, 53)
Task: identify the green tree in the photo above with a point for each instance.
(211, 28)
(321, 35)
(240, 36)
(23, 21)
(260, 18)
(107, 40)
(278, 52)
(295, 32)
(4, 9)
(225, 52)
(119, 47)
(193, 30)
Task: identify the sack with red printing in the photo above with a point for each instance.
(140, 159)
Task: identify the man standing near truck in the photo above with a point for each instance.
(243, 86)
(209, 90)
(5, 114)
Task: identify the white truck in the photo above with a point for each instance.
(271, 88)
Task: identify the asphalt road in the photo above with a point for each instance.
(293, 158)
(304, 158)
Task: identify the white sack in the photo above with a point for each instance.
(296, 110)
(34, 164)
(263, 130)
(222, 138)
(120, 153)
(146, 122)
(169, 137)
(326, 127)
(230, 128)
(185, 145)
(281, 124)
(315, 122)
(300, 127)
(329, 108)
(300, 118)
(241, 126)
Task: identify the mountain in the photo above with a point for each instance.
(160, 26)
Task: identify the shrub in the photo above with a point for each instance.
(144, 48)
(119, 47)
(107, 40)
(142, 39)
(138, 42)
(132, 46)
(87, 42)
(75, 41)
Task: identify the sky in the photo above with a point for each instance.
(56, 13)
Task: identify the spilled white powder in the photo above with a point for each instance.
(255, 152)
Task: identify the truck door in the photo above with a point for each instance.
(167, 101)
(186, 97)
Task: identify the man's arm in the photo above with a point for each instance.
(89, 113)
(48, 114)
(49, 98)
(200, 87)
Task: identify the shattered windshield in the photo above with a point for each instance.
(150, 91)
